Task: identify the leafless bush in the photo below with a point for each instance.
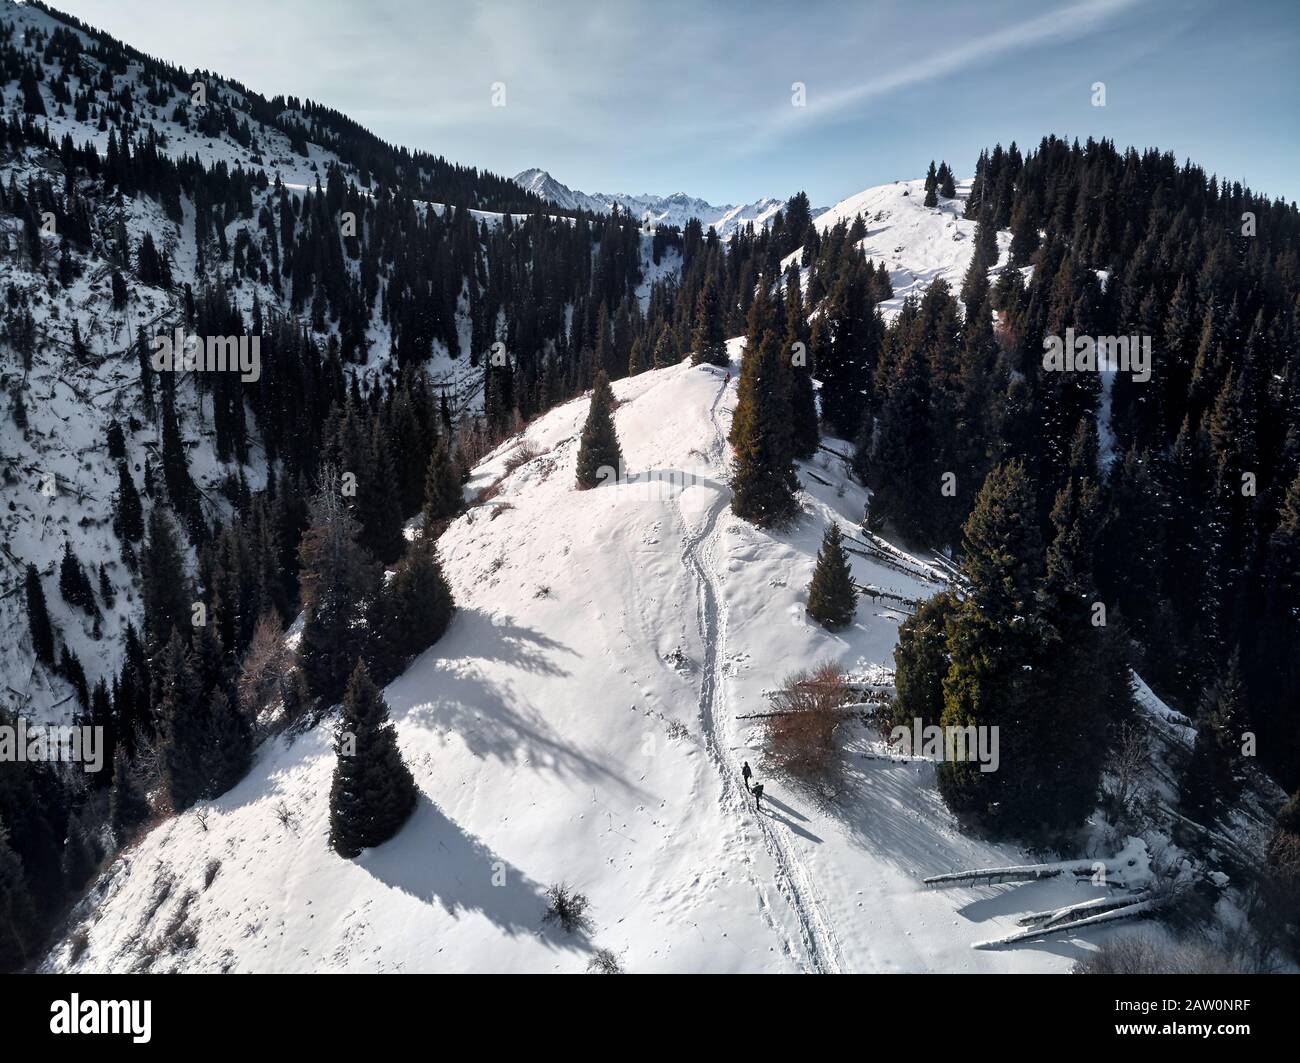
(806, 713)
(162, 889)
(522, 455)
(604, 961)
(1128, 771)
(210, 872)
(181, 934)
(567, 907)
(1145, 953)
(284, 815)
(267, 664)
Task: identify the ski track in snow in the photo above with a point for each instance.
(820, 947)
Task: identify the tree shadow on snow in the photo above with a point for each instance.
(436, 862)
(455, 693)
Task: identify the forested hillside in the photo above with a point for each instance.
(201, 561)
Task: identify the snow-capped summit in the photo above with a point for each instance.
(676, 209)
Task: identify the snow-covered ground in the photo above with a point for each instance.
(580, 722)
(584, 719)
(917, 244)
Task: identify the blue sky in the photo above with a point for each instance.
(670, 96)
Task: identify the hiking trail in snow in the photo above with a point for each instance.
(820, 947)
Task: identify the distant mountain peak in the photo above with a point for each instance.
(676, 209)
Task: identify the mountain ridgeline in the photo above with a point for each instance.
(138, 198)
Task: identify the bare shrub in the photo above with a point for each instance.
(181, 934)
(284, 815)
(162, 889)
(1127, 773)
(266, 664)
(210, 872)
(1145, 953)
(567, 908)
(522, 455)
(806, 714)
(604, 961)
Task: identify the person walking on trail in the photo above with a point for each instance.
(758, 797)
(746, 773)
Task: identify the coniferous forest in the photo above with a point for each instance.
(1098, 528)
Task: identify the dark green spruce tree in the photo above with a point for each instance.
(805, 434)
(763, 482)
(931, 186)
(443, 495)
(182, 719)
(921, 662)
(18, 922)
(338, 581)
(599, 456)
(709, 336)
(128, 807)
(373, 792)
(38, 618)
(995, 641)
(1213, 774)
(832, 597)
(413, 610)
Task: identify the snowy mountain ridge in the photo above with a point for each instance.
(585, 717)
(675, 210)
(584, 720)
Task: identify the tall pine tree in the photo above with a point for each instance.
(599, 456)
(373, 792)
(763, 481)
(832, 597)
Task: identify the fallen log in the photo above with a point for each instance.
(1095, 906)
(1128, 911)
(1023, 873)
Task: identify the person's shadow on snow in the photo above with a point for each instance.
(770, 809)
(432, 859)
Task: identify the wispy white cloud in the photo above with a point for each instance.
(1070, 21)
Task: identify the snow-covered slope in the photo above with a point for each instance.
(584, 720)
(57, 480)
(676, 209)
(918, 244)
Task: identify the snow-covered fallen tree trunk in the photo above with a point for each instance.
(1056, 916)
(1131, 860)
(1127, 911)
(1020, 873)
